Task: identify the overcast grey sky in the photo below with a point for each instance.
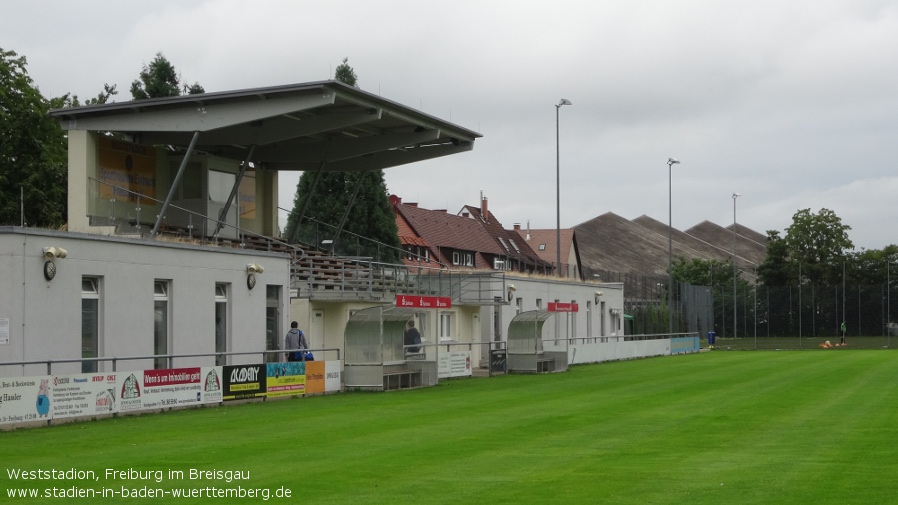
(793, 104)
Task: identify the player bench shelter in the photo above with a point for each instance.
(534, 346)
(376, 357)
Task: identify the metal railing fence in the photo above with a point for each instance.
(265, 357)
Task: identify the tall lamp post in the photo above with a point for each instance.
(735, 323)
(670, 163)
(564, 101)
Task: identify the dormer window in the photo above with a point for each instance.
(463, 258)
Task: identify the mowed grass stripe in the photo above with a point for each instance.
(719, 427)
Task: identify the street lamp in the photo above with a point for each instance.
(564, 101)
(735, 324)
(670, 163)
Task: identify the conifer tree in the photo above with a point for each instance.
(368, 227)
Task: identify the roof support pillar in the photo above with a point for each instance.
(227, 205)
(358, 184)
(291, 237)
(175, 183)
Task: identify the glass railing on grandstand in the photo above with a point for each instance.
(131, 213)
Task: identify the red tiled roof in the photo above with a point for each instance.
(445, 233)
(407, 235)
(524, 252)
(549, 238)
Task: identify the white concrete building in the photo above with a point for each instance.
(124, 297)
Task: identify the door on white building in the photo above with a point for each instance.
(316, 331)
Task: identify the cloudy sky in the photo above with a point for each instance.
(792, 104)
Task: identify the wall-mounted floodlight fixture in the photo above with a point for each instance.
(598, 295)
(54, 252)
(511, 290)
(51, 253)
(252, 269)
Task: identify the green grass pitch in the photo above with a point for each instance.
(710, 428)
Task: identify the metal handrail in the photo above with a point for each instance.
(646, 336)
(115, 359)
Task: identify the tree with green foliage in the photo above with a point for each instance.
(351, 208)
(871, 266)
(369, 223)
(699, 272)
(159, 79)
(813, 257)
(819, 243)
(70, 100)
(346, 74)
(776, 269)
(104, 96)
(32, 150)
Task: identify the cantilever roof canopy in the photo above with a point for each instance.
(309, 126)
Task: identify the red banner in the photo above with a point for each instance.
(563, 307)
(423, 302)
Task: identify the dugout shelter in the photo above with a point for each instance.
(537, 347)
(376, 356)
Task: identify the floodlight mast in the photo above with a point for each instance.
(670, 163)
(735, 324)
(564, 101)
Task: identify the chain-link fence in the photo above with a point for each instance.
(762, 317)
(807, 316)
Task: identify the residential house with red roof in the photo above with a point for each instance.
(472, 238)
(544, 243)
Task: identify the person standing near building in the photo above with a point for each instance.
(295, 339)
(412, 339)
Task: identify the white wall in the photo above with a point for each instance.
(529, 290)
(615, 348)
(45, 316)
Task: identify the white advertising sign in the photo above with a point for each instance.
(24, 399)
(454, 364)
(82, 395)
(332, 375)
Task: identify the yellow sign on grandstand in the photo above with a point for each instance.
(126, 170)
